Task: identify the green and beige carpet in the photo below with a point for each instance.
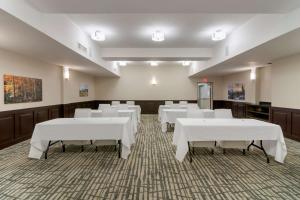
(151, 172)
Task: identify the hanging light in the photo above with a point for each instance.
(218, 35)
(98, 36)
(158, 36)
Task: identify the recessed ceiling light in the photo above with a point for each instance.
(186, 63)
(218, 35)
(98, 36)
(153, 63)
(122, 63)
(158, 36)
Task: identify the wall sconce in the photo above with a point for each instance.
(66, 73)
(253, 74)
(153, 81)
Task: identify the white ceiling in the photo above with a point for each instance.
(181, 30)
(283, 46)
(21, 38)
(165, 6)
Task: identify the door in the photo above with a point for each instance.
(205, 100)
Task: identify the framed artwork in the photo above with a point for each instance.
(83, 90)
(236, 91)
(18, 89)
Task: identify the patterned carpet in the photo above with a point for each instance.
(151, 172)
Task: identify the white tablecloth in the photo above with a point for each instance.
(122, 113)
(137, 108)
(81, 129)
(170, 116)
(162, 107)
(229, 129)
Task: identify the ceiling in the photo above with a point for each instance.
(165, 6)
(181, 30)
(260, 56)
(21, 38)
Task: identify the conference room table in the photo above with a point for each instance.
(122, 113)
(137, 108)
(174, 106)
(170, 116)
(62, 129)
(269, 136)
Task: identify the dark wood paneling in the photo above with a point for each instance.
(69, 109)
(24, 124)
(7, 125)
(41, 115)
(296, 125)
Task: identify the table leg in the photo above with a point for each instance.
(120, 147)
(261, 147)
(190, 153)
(46, 152)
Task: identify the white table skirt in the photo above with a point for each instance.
(122, 113)
(81, 129)
(170, 116)
(137, 108)
(229, 130)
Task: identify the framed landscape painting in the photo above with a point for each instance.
(18, 89)
(236, 91)
(83, 90)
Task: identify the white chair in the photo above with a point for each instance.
(122, 107)
(107, 112)
(227, 114)
(193, 106)
(168, 102)
(174, 106)
(79, 113)
(192, 113)
(115, 102)
(183, 102)
(130, 103)
(103, 106)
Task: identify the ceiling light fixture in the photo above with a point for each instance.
(153, 63)
(158, 36)
(253, 74)
(98, 36)
(66, 73)
(186, 63)
(218, 35)
(122, 63)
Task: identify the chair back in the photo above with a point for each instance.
(130, 102)
(122, 107)
(103, 106)
(82, 113)
(175, 106)
(223, 113)
(110, 112)
(192, 113)
(183, 102)
(192, 106)
(115, 102)
(168, 102)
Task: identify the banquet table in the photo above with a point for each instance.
(162, 107)
(270, 135)
(122, 113)
(61, 129)
(170, 116)
(137, 108)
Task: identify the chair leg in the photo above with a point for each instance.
(63, 146)
(224, 151)
(96, 148)
(212, 151)
(244, 151)
(82, 148)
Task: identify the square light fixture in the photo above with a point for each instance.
(218, 35)
(98, 36)
(158, 36)
(153, 63)
(186, 63)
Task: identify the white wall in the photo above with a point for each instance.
(71, 87)
(286, 82)
(15, 64)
